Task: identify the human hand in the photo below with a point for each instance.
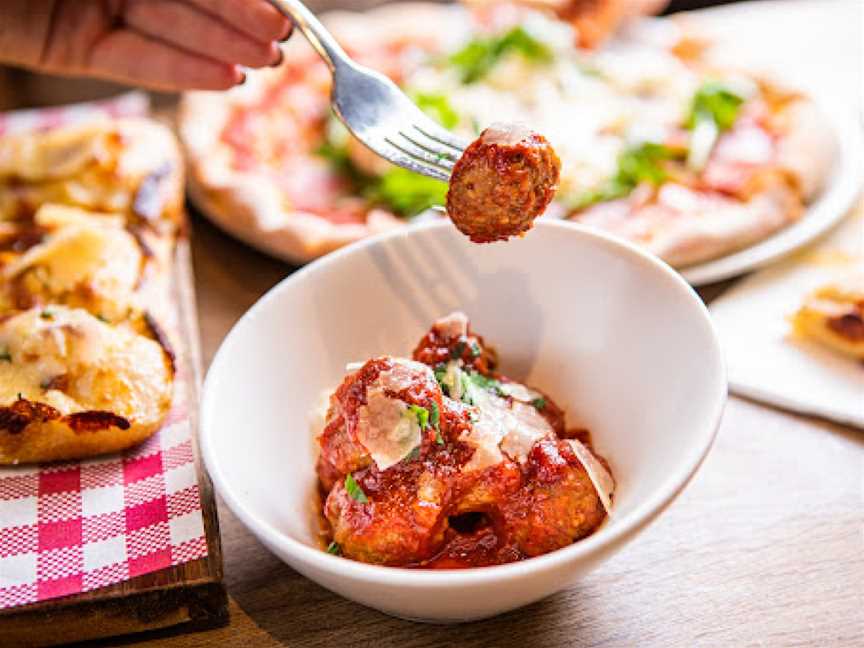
(159, 44)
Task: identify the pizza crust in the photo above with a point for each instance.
(717, 231)
(808, 148)
(833, 315)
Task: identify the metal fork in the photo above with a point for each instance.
(374, 109)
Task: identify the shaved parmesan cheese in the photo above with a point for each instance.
(512, 427)
(386, 428)
(454, 325)
(599, 476)
(485, 437)
(385, 425)
(404, 373)
(520, 392)
(353, 366)
(318, 414)
(529, 428)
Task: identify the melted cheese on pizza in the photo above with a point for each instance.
(124, 167)
(89, 263)
(68, 359)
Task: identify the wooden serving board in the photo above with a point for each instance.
(191, 594)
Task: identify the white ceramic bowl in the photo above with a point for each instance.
(614, 335)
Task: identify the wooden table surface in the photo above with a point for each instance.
(763, 548)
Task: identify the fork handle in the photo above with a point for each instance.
(317, 35)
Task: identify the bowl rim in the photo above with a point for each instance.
(606, 536)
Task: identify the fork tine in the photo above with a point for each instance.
(440, 134)
(415, 149)
(442, 156)
(396, 155)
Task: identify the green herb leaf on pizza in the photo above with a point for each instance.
(645, 162)
(477, 58)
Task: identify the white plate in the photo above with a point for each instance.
(613, 334)
(764, 362)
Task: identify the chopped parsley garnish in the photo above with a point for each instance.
(440, 372)
(638, 164)
(421, 414)
(473, 380)
(414, 454)
(477, 58)
(483, 382)
(539, 404)
(334, 548)
(5, 356)
(46, 315)
(354, 489)
(435, 416)
(438, 107)
(475, 349)
(466, 387)
(435, 422)
(716, 102)
(457, 350)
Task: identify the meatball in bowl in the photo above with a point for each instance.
(444, 431)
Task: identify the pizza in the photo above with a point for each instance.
(833, 316)
(89, 217)
(658, 144)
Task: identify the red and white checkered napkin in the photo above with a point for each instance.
(72, 527)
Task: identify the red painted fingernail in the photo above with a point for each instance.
(288, 34)
(242, 79)
(279, 59)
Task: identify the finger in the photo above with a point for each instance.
(197, 31)
(130, 57)
(645, 7)
(257, 18)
